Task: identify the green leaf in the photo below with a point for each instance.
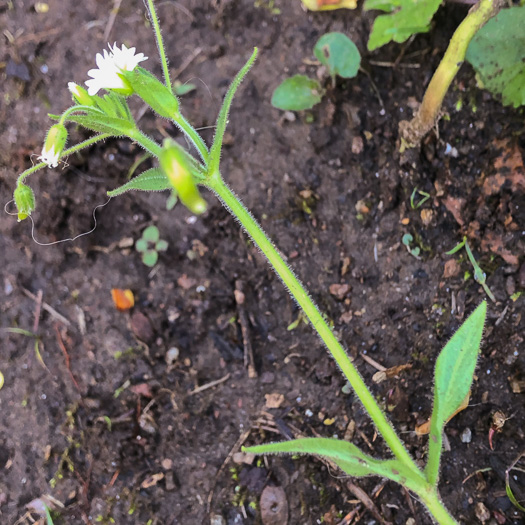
(497, 53)
(339, 54)
(141, 245)
(150, 258)
(453, 377)
(161, 245)
(349, 458)
(405, 18)
(182, 89)
(222, 119)
(297, 93)
(149, 180)
(172, 200)
(151, 234)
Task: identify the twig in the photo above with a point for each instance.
(112, 16)
(381, 63)
(67, 359)
(365, 499)
(374, 87)
(243, 320)
(209, 385)
(38, 308)
(49, 309)
(373, 362)
(410, 503)
(242, 438)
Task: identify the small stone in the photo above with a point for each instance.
(172, 355)
(482, 513)
(357, 145)
(167, 464)
(521, 276)
(141, 327)
(274, 506)
(267, 378)
(339, 290)
(452, 269)
(217, 519)
(466, 435)
(510, 286)
(274, 400)
(426, 216)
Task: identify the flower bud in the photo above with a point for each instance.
(80, 95)
(54, 144)
(24, 200)
(176, 167)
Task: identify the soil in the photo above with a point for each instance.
(103, 421)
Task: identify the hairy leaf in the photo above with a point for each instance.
(297, 93)
(339, 54)
(453, 377)
(349, 458)
(97, 121)
(497, 53)
(404, 19)
(150, 180)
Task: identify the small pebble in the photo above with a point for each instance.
(172, 355)
(217, 519)
(308, 413)
(466, 435)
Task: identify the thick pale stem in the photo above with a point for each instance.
(433, 503)
(236, 208)
(412, 132)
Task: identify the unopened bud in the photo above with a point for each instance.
(80, 95)
(178, 170)
(54, 144)
(24, 200)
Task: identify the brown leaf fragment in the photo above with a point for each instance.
(274, 506)
(493, 242)
(339, 290)
(142, 389)
(274, 400)
(516, 385)
(152, 480)
(424, 429)
(382, 375)
(452, 269)
(454, 206)
(510, 171)
(482, 513)
(186, 282)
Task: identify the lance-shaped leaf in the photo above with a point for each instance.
(97, 121)
(153, 179)
(222, 119)
(349, 458)
(453, 377)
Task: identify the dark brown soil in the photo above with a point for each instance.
(334, 194)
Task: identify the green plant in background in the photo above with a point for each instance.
(479, 274)
(341, 58)
(150, 244)
(182, 173)
(407, 240)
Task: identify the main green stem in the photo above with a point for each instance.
(236, 208)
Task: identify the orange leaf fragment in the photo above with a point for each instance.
(123, 299)
(424, 429)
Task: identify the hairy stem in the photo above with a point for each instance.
(65, 153)
(160, 43)
(411, 132)
(192, 135)
(236, 208)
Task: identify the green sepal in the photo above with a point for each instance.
(349, 458)
(152, 91)
(24, 200)
(150, 180)
(97, 121)
(453, 378)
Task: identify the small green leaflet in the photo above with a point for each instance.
(100, 122)
(150, 180)
(497, 53)
(297, 93)
(404, 19)
(339, 54)
(349, 458)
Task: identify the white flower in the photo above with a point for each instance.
(110, 64)
(49, 156)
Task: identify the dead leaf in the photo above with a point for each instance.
(454, 206)
(452, 269)
(152, 480)
(142, 389)
(141, 327)
(274, 400)
(123, 299)
(274, 506)
(186, 282)
(424, 429)
(339, 290)
(382, 375)
(491, 241)
(510, 169)
(426, 216)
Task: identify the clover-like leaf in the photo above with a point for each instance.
(339, 54)
(404, 19)
(150, 180)
(297, 93)
(150, 258)
(161, 245)
(497, 53)
(141, 245)
(453, 377)
(151, 234)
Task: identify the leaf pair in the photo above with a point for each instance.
(453, 378)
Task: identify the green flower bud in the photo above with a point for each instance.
(177, 169)
(152, 91)
(24, 200)
(80, 95)
(54, 144)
